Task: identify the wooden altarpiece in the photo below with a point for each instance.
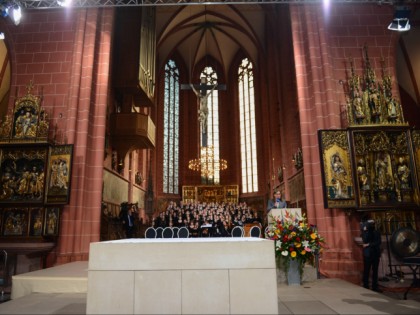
(370, 169)
(374, 164)
(35, 174)
(210, 193)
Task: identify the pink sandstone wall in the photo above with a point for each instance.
(323, 43)
(66, 54)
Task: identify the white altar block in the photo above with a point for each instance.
(182, 276)
(279, 213)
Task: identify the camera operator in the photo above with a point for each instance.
(371, 237)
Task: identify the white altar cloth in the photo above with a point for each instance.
(182, 276)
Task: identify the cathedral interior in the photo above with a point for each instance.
(105, 106)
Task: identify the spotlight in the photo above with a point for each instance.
(400, 23)
(64, 3)
(2, 36)
(15, 13)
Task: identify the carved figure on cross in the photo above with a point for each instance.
(203, 91)
(202, 94)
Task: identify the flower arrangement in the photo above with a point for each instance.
(294, 239)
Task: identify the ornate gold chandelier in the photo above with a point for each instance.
(206, 163)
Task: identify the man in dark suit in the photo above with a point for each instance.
(371, 252)
(128, 223)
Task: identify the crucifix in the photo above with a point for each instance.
(203, 91)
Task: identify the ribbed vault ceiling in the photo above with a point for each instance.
(201, 32)
(220, 28)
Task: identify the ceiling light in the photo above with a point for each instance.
(206, 163)
(15, 13)
(64, 3)
(400, 23)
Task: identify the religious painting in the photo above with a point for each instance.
(59, 175)
(22, 174)
(337, 171)
(36, 221)
(51, 222)
(384, 168)
(15, 222)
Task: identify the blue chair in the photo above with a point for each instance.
(183, 232)
(255, 231)
(237, 231)
(150, 232)
(159, 232)
(167, 232)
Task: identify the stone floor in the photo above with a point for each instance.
(322, 296)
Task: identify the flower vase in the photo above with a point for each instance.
(293, 273)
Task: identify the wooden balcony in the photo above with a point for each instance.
(131, 131)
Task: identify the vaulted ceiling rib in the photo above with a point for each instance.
(202, 32)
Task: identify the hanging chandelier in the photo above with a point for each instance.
(206, 163)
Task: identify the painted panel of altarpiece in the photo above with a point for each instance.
(336, 166)
(58, 176)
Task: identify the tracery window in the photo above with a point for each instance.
(171, 129)
(248, 142)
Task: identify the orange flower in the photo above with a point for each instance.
(295, 238)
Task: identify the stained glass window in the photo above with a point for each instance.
(248, 142)
(171, 129)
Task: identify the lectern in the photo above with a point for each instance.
(280, 213)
